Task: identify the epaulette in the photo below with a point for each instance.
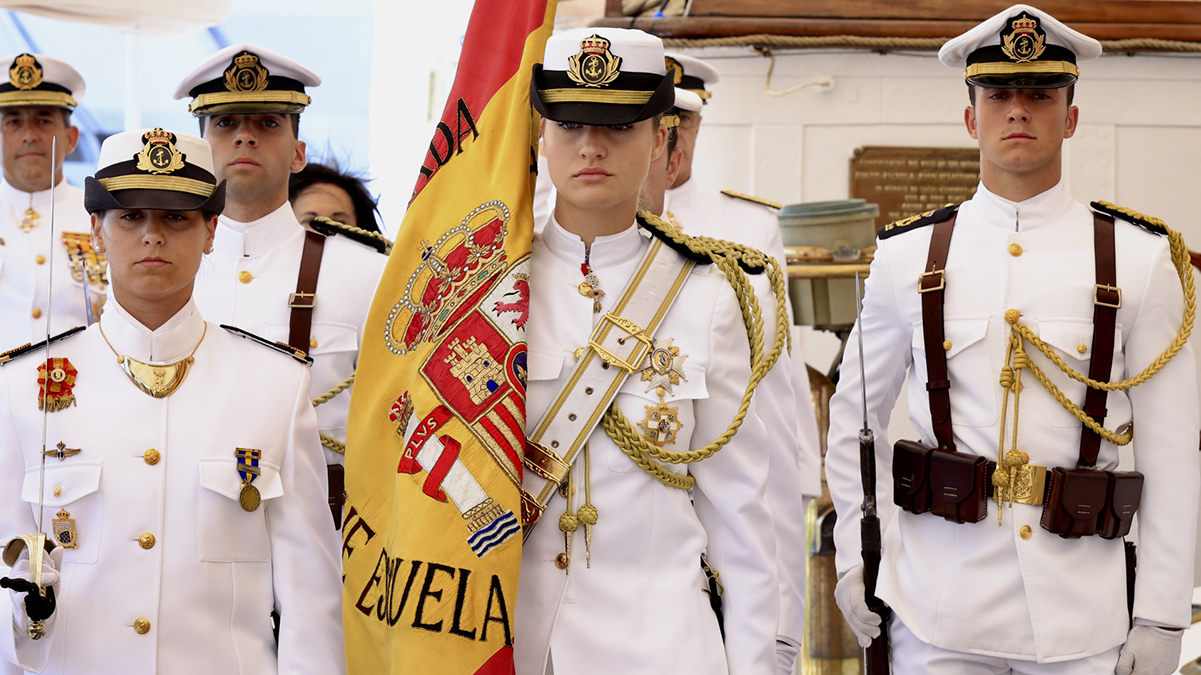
(914, 222)
(671, 236)
(753, 199)
(329, 227)
(282, 347)
(1148, 223)
(24, 349)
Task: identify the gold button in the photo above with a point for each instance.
(946, 345)
(41, 259)
(146, 540)
(1012, 316)
(58, 490)
(142, 626)
(245, 276)
(151, 456)
(37, 313)
(1026, 532)
(561, 561)
(1015, 250)
(1082, 348)
(312, 344)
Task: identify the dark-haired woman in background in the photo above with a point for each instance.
(320, 190)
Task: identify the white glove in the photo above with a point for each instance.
(849, 594)
(1150, 650)
(51, 562)
(786, 652)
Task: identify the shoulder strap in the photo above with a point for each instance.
(620, 343)
(305, 297)
(1107, 298)
(932, 287)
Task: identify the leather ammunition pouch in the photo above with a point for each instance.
(1077, 502)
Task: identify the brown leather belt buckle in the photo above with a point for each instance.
(1114, 291)
(545, 463)
(921, 281)
(302, 300)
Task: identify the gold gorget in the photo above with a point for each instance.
(157, 380)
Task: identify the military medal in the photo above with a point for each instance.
(30, 220)
(157, 380)
(590, 286)
(83, 258)
(665, 369)
(248, 469)
(64, 530)
(56, 378)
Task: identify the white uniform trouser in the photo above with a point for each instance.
(911, 656)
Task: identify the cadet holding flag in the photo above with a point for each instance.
(1040, 335)
(180, 457)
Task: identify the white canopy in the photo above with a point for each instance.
(145, 17)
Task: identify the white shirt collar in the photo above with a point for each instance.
(1038, 211)
(40, 200)
(172, 341)
(678, 194)
(606, 251)
(255, 238)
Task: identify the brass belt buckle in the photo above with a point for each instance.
(1028, 486)
(302, 300)
(634, 330)
(942, 281)
(1099, 288)
(545, 462)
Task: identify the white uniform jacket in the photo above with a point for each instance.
(25, 262)
(154, 491)
(252, 272)
(700, 212)
(985, 589)
(642, 607)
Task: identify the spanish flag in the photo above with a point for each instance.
(432, 531)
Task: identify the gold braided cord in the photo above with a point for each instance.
(726, 256)
(1183, 265)
(341, 387)
(351, 229)
(333, 443)
(900, 43)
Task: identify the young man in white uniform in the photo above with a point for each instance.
(1026, 262)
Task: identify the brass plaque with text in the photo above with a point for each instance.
(909, 181)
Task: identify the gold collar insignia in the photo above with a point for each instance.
(159, 381)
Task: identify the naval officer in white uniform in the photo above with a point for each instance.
(35, 107)
(249, 100)
(1000, 596)
(182, 457)
(617, 585)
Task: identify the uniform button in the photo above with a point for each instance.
(142, 626)
(946, 345)
(58, 490)
(1012, 316)
(37, 313)
(245, 276)
(146, 541)
(312, 344)
(1026, 532)
(561, 561)
(41, 259)
(1082, 348)
(1015, 250)
(151, 456)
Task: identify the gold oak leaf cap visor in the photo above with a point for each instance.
(154, 169)
(1023, 47)
(37, 80)
(602, 77)
(246, 78)
(692, 74)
